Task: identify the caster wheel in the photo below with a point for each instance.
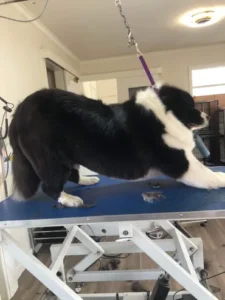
(203, 224)
(78, 287)
(203, 274)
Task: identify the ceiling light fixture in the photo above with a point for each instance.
(203, 17)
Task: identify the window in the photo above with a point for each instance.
(208, 81)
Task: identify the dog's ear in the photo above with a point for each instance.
(169, 93)
(166, 92)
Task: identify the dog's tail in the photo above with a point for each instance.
(26, 181)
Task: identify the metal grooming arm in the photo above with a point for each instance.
(201, 146)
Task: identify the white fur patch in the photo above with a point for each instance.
(152, 173)
(200, 176)
(85, 180)
(150, 101)
(177, 135)
(206, 122)
(69, 200)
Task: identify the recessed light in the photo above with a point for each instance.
(203, 17)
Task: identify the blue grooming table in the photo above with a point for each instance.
(117, 200)
(120, 211)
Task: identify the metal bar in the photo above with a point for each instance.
(87, 261)
(88, 241)
(37, 247)
(95, 249)
(170, 266)
(198, 256)
(30, 231)
(61, 272)
(192, 215)
(180, 227)
(4, 284)
(127, 296)
(103, 276)
(35, 267)
(183, 254)
(110, 248)
(50, 231)
(191, 223)
(169, 227)
(110, 229)
(49, 238)
(63, 249)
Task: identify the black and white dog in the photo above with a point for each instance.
(55, 131)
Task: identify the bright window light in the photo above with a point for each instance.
(208, 81)
(209, 76)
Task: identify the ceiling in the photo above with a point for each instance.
(94, 29)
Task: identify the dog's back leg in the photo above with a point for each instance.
(54, 178)
(80, 179)
(26, 181)
(52, 172)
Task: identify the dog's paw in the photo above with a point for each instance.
(70, 201)
(221, 179)
(217, 181)
(85, 180)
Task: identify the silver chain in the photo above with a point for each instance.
(131, 39)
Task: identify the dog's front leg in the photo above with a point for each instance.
(200, 176)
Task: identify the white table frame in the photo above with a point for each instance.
(183, 267)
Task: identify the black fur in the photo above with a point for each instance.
(53, 130)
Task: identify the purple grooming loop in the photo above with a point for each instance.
(132, 42)
(148, 73)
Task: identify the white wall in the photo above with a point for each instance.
(71, 85)
(174, 63)
(107, 90)
(116, 89)
(133, 79)
(90, 89)
(22, 71)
